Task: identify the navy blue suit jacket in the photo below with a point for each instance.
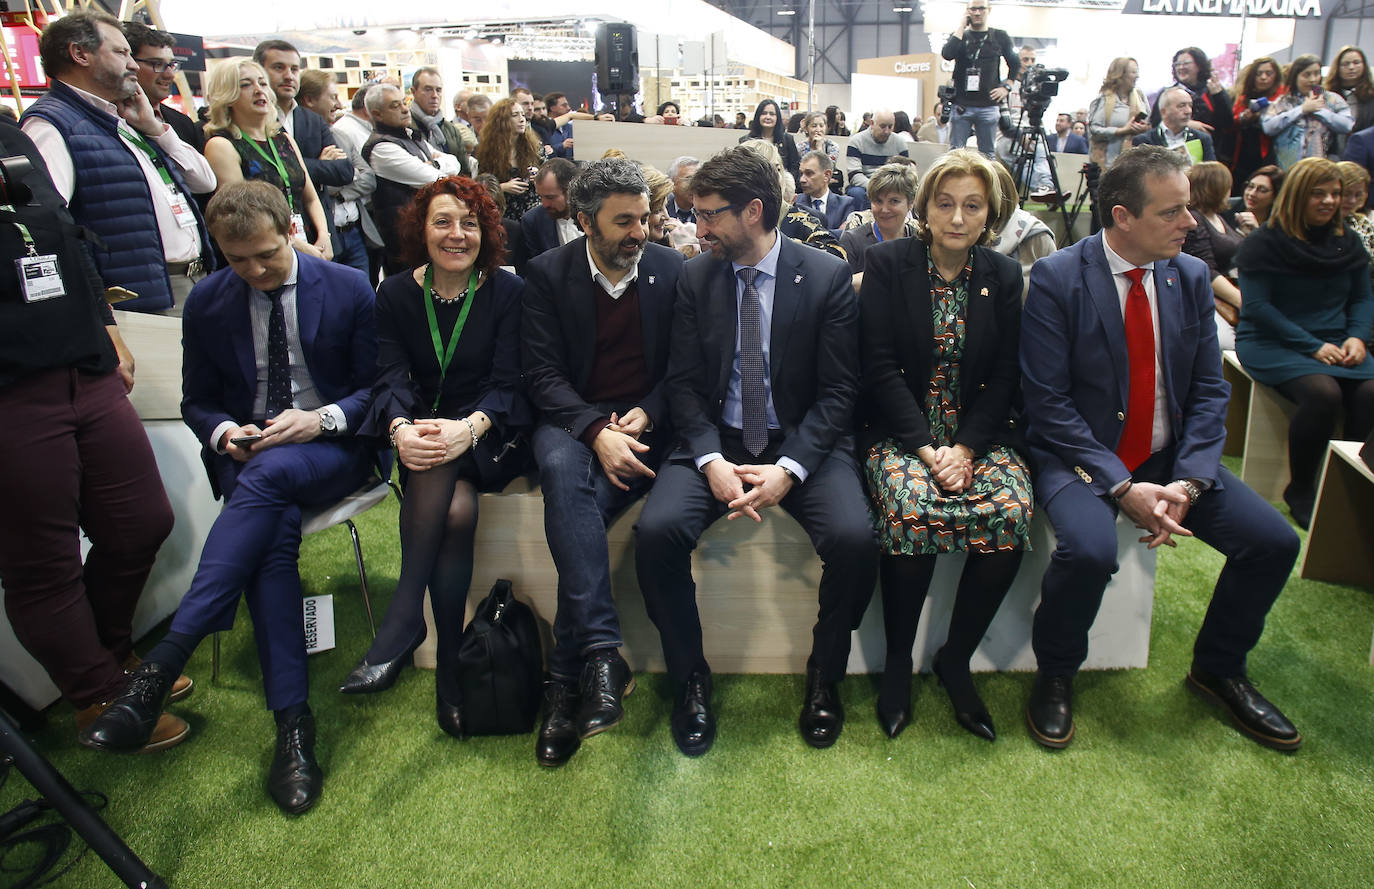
(538, 234)
(338, 335)
(1359, 148)
(1155, 136)
(1075, 375)
(837, 208)
(1073, 144)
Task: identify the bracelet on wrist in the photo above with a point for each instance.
(472, 430)
(391, 433)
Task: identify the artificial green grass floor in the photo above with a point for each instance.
(1156, 790)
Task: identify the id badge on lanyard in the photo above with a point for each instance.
(181, 208)
(297, 227)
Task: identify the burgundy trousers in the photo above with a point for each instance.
(74, 457)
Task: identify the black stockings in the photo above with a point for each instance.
(1320, 399)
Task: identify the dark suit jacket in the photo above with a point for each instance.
(538, 234)
(312, 135)
(837, 208)
(895, 336)
(1360, 148)
(813, 354)
(338, 335)
(187, 130)
(1073, 144)
(1155, 136)
(558, 329)
(1075, 376)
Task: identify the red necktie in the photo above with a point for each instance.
(1134, 446)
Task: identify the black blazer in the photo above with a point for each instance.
(558, 332)
(538, 234)
(813, 354)
(187, 130)
(311, 138)
(895, 339)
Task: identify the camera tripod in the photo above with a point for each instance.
(1028, 141)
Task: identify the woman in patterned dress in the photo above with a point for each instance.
(940, 323)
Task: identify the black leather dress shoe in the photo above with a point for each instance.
(366, 679)
(969, 710)
(1252, 714)
(1049, 714)
(450, 718)
(692, 722)
(822, 714)
(559, 737)
(295, 779)
(606, 679)
(128, 722)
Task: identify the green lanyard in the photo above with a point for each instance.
(23, 230)
(275, 160)
(442, 355)
(137, 140)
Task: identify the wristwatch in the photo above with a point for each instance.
(328, 425)
(1190, 487)
(796, 480)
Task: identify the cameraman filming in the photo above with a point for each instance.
(976, 51)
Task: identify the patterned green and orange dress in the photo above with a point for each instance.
(913, 514)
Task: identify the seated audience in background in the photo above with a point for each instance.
(96, 117)
(597, 317)
(511, 152)
(549, 224)
(669, 114)
(813, 138)
(1260, 83)
(246, 142)
(1080, 128)
(741, 122)
(785, 434)
(403, 162)
(679, 204)
(815, 194)
(939, 438)
(275, 443)
(1174, 130)
(891, 196)
(834, 121)
(1304, 121)
(75, 460)
(1215, 241)
(1258, 198)
(1210, 101)
(768, 126)
(1064, 139)
(1350, 76)
(794, 124)
(1308, 312)
(1119, 112)
(933, 130)
(1106, 436)
(157, 71)
(450, 409)
(1354, 203)
(901, 126)
(665, 229)
(869, 150)
(1023, 236)
(794, 222)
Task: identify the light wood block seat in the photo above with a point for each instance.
(1263, 445)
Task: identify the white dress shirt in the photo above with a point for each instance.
(1160, 433)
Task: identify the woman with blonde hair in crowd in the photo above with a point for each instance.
(245, 141)
(1260, 83)
(1305, 120)
(1308, 311)
(1350, 77)
(813, 137)
(1119, 113)
(511, 151)
(891, 196)
(1354, 200)
(1215, 241)
(940, 322)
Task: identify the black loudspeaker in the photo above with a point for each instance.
(617, 58)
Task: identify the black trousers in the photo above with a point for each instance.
(830, 506)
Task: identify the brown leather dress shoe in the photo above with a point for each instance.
(181, 688)
(168, 732)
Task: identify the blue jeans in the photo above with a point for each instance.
(579, 503)
(983, 121)
(352, 250)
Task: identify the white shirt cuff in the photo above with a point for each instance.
(219, 434)
(703, 460)
(796, 468)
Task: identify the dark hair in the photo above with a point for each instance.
(794, 123)
(1204, 67)
(599, 180)
(360, 97)
(901, 123)
(1246, 91)
(54, 46)
(832, 122)
(413, 217)
(1296, 67)
(669, 104)
(552, 98)
(563, 170)
(237, 211)
(1364, 88)
(428, 69)
(739, 175)
(140, 35)
(262, 49)
(1123, 183)
(756, 128)
(821, 158)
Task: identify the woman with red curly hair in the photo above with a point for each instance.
(448, 395)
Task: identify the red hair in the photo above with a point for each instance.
(412, 219)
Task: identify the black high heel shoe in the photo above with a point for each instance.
(366, 679)
(894, 703)
(969, 710)
(450, 717)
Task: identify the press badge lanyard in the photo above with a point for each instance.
(445, 355)
(181, 208)
(39, 275)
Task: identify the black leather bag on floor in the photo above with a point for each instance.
(500, 666)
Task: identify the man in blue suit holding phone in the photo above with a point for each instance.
(275, 384)
(1126, 405)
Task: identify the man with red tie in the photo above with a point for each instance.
(1125, 406)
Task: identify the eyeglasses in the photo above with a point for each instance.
(157, 66)
(710, 215)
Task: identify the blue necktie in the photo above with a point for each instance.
(755, 417)
(278, 358)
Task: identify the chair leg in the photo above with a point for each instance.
(362, 575)
(214, 657)
(395, 489)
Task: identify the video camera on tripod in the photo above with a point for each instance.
(946, 96)
(1038, 86)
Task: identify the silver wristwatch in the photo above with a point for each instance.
(328, 425)
(1188, 485)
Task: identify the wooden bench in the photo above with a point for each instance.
(756, 590)
(1257, 430)
(1340, 543)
